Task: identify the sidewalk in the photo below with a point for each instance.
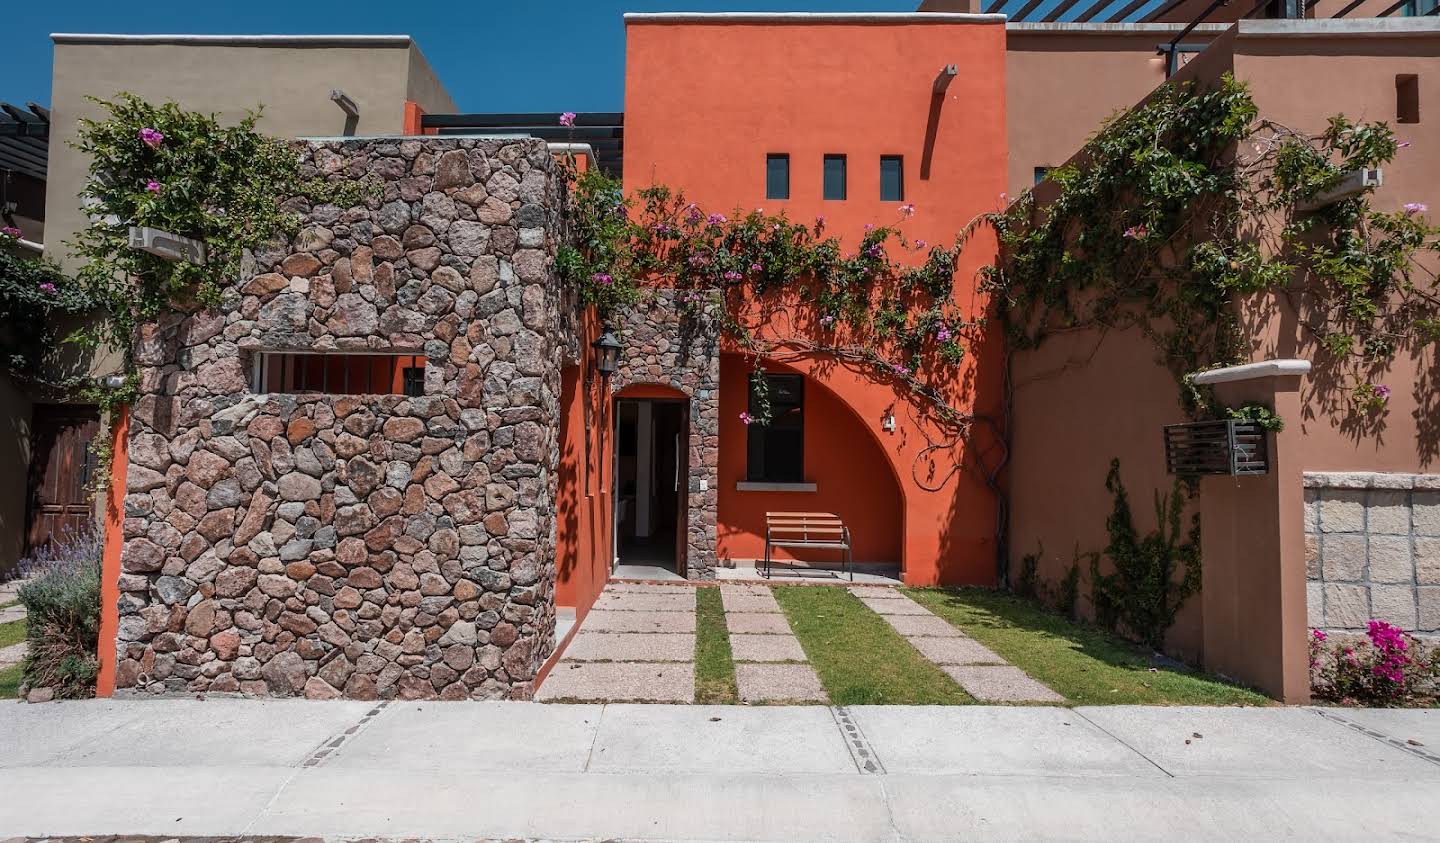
(653, 772)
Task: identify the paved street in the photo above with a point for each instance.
(655, 772)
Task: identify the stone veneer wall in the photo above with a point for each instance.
(1372, 544)
(662, 347)
(364, 546)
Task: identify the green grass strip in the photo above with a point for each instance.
(12, 632)
(714, 667)
(861, 660)
(10, 679)
(1085, 664)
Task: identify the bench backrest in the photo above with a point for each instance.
(805, 526)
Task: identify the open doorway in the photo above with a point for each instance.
(651, 487)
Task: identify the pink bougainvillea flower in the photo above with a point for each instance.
(1416, 208)
(943, 334)
(746, 418)
(1137, 232)
(875, 250)
(902, 371)
(820, 222)
(151, 138)
(755, 267)
(920, 244)
(907, 209)
(567, 119)
(1318, 634)
(602, 278)
(1382, 392)
(1402, 144)
(152, 186)
(869, 226)
(47, 287)
(715, 219)
(732, 275)
(10, 231)
(827, 320)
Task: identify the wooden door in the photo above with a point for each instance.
(682, 507)
(60, 467)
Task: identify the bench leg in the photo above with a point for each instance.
(767, 559)
(850, 562)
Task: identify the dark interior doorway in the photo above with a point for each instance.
(651, 471)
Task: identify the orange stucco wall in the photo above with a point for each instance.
(706, 101)
(583, 532)
(110, 555)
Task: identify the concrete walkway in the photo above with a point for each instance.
(983, 674)
(770, 665)
(656, 772)
(637, 644)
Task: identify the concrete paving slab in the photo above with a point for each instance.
(580, 806)
(211, 732)
(1000, 683)
(894, 606)
(764, 603)
(746, 588)
(955, 651)
(616, 587)
(921, 625)
(766, 648)
(778, 683)
(472, 737)
(35, 734)
(994, 740)
(1253, 743)
(1402, 724)
(12, 614)
(591, 646)
(757, 624)
(14, 654)
(877, 592)
(945, 808)
(605, 620)
(647, 601)
(620, 682)
(645, 572)
(53, 801)
(705, 739)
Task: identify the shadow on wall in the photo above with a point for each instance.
(1402, 434)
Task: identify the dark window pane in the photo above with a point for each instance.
(834, 177)
(1041, 173)
(415, 381)
(776, 452)
(777, 176)
(892, 178)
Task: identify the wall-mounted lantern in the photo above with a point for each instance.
(607, 354)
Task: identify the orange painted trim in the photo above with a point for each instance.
(110, 557)
(555, 656)
(413, 113)
(652, 390)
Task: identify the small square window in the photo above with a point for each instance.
(1407, 98)
(777, 176)
(834, 177)
(414, 384)
(1041, 173)
(892, 178)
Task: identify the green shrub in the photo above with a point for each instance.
(63, 604)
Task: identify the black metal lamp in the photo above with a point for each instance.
(607, 354)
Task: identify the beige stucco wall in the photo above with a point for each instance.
(1357, 75)
(291, 77)
(1063, 81)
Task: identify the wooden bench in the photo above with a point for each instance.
(813, 530)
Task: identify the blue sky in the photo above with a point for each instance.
(492, 55)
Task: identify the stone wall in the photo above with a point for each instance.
(1372, 545)
(359, 546)
(664, 347)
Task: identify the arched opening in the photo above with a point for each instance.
(846, 471)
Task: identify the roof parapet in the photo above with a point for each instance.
(812, 17)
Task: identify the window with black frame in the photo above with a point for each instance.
(775, 452)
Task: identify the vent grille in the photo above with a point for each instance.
(1216, 447)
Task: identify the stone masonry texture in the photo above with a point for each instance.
(1372, 546)
(364, 546)
(677, 346)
